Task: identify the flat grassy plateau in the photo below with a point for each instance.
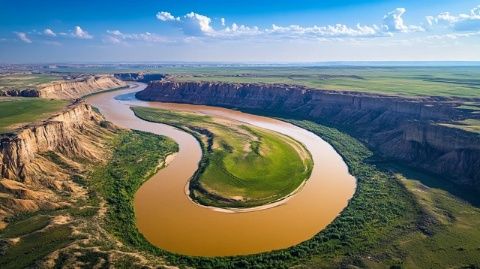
(15, 112)
(242, 165)
(25, 81)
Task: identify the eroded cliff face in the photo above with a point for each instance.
(69, 89)
(397, 128)
(79, 87)
(38, 161)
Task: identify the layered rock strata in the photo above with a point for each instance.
(39, 161)
(69, 89)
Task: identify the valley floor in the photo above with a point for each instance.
(398, 218)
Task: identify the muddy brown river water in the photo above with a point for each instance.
(170, 220)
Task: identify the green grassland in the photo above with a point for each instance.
(36, 238)
(135, 159)
(24, 81)
(15, 112)
(403, 81)
(244, 166)
(455, 240)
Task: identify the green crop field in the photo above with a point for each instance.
(245, 166)
(14, 112)
(23, 81)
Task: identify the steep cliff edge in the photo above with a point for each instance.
(39, 160)
(69, 89)
(397, 128)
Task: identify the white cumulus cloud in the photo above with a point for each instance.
(49, 32)
(117, 37)
(166, 16)
(23, 37)
(393, 22)
(78, 32)
(460, 22)
(337, 30)
(194, 24)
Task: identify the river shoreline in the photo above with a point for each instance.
(164, 213)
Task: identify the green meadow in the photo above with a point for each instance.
(242, 166)
(403, 81)
(23, 81)
(14, 112)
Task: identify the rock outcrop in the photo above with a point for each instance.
(401, 129)
(69, 89)
(37, 162)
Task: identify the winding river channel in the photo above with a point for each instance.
(170, 220)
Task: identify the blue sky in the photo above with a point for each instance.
(238, 31)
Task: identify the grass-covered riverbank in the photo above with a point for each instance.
(136, 158)
(242, 165)
(381, 211)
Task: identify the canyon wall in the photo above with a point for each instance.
(37, 162)
(69, 89)
(400, 129)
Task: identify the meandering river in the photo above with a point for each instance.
(170, 220)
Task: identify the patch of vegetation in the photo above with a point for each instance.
(242, 165)
(23, 81)
(135, 158)
(35, 246)
(55, 158)
(25, 226)
(454, 241)
(469, 125)
(15, 112)
(470, 106)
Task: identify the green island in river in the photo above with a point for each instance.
(242, 166)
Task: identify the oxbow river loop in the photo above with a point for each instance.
(170, 220)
